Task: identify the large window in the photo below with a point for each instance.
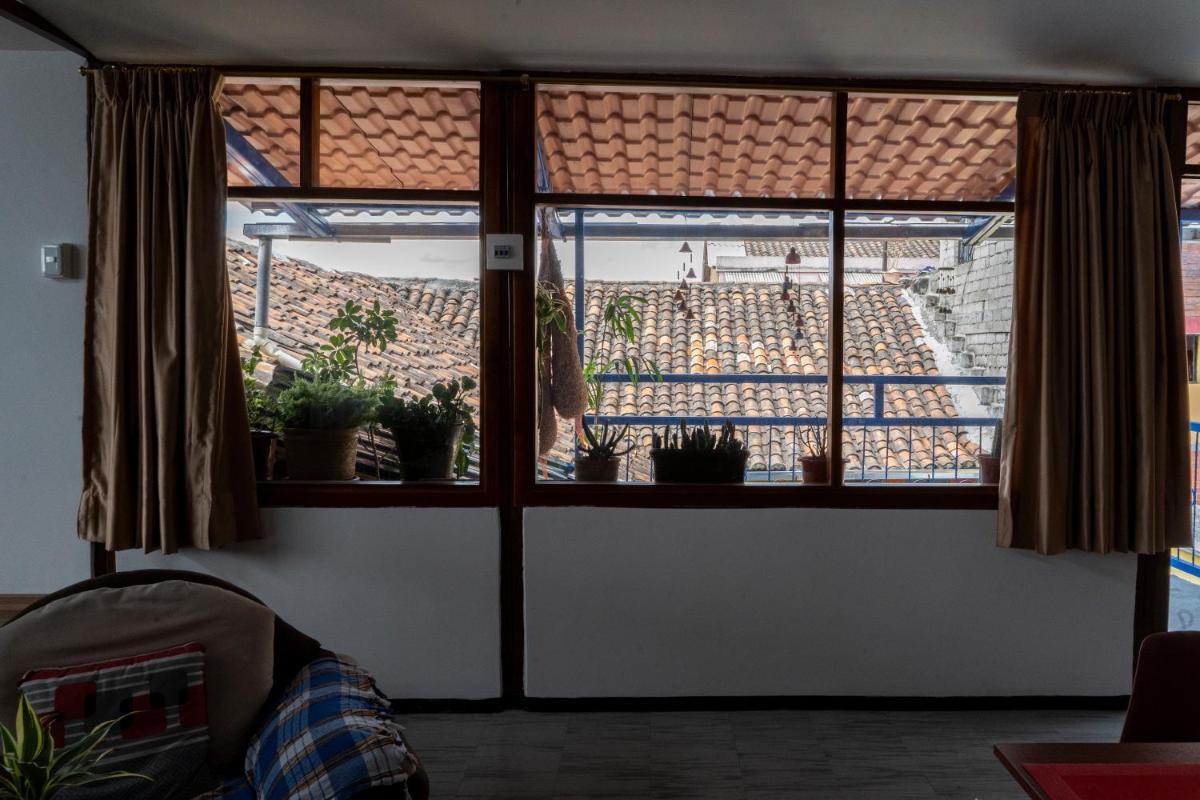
(729, 297)
(825, 277)
(354, 261)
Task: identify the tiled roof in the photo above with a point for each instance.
(735, 328)
(439, 334)
(642, 141)
(374, 134)
(728, 143)
(775, 275)
(855, 248)
(1192, 147)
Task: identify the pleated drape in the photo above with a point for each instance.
(167, 460)
(1095, 442)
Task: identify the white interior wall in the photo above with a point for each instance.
(43, 200)
(411, 593)
(644, 603)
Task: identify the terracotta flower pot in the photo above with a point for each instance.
(321, 455)
(428, 453)
(263, 446)
(597, 470)
(815, 469)
(989, 469)
(683, 466)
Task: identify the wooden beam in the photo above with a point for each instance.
(34, 22)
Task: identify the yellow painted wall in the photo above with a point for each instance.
(1194, 401)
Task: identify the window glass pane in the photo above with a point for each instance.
(399, 135)
(1190, 197)
(262, 131)
(1192, 150)
(627, 140)
(930, 148)
(421, 264)
(736, 327)
(928, 310)
(1185, 561)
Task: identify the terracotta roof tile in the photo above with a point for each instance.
(374, 134)
(744, 328)
(728, 143)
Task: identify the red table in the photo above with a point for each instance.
(1016, 757)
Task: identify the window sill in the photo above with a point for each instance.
(373, 494)
(765, 495)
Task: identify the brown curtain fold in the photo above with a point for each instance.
(1095, 447)
(166, 449)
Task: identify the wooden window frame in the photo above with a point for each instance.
(837, 494)
(493, 355)
(507, 199)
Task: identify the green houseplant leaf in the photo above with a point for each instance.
(32, 768)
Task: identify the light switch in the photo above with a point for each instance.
(57, 261)
(506, 251)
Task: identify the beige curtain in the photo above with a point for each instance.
(1095, 440)
(166, 450)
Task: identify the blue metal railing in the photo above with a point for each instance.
(878, 418)
(1187, 559)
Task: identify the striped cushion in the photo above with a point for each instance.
(165, 735)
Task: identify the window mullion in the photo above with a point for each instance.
(837, 241)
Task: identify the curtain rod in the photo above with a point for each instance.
(651, 79)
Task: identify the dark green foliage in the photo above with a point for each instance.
(353, 328)
(604, 446)
(33, 768)
(261, 409)
(326, 405)
(435, 413)
(700, 440)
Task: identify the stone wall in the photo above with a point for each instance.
(968, 308)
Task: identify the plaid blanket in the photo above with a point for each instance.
(331, 737)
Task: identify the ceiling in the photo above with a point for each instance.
(1054, 40)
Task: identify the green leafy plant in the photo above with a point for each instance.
(700, 440)
(261, 410)
(550, 310)
(33, 768)
(326, 405)
(354, 329)
(436, 413)
(620, 319)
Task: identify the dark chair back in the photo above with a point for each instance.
(1164, 705)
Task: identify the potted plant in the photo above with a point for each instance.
(599, 458)
(33, 768)
(989, 465)
(263, 417)
(814, 467)
(320, 420)
(699, 455)
(433, 434)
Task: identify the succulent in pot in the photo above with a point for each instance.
(433, 434)
(262, 413)
(814, 465)
(599, 457)
(699, 455)
(320, 427)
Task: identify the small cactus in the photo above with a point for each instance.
(699, 439)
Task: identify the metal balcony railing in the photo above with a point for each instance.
(879, 418)
(1186, 559)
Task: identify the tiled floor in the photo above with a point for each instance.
(839, 755)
